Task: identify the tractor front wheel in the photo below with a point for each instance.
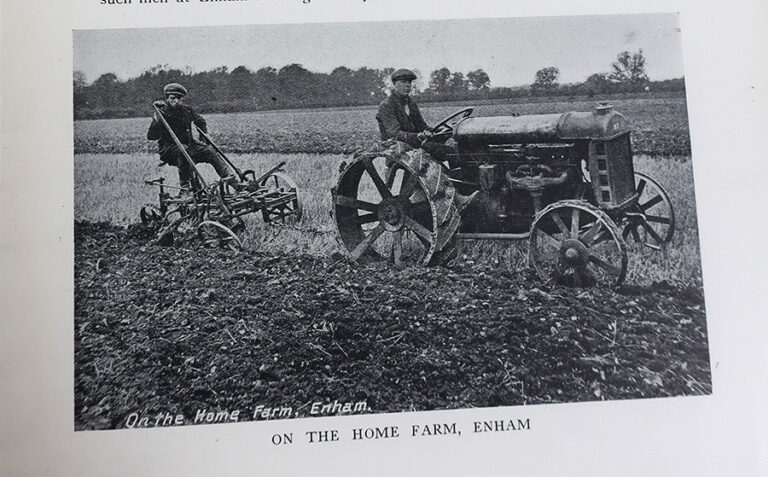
(576, 244)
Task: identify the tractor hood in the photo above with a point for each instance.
(601, 124)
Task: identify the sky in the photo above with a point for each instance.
(510, 50)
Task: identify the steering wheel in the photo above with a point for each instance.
(445, 127)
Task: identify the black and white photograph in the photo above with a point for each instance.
(382, 237)
(304, 220)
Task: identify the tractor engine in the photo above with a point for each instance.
(521, 164)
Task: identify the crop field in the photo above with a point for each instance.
(290, 321)
(659, 127)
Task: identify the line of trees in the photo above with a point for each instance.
(627, 75)
(293, 86)
(241, 89)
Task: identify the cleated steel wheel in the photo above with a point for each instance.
(216, 234)
(284, 203)
(576, 244)
(396, 204)
(652, 221)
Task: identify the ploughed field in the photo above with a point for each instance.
(289, 322)
(178, 330)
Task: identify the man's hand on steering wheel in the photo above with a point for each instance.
(424, 136)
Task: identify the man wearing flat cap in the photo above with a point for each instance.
(180, 118)
(399, 117)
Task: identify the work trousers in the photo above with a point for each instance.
(200, 153)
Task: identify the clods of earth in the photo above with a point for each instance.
(185, 330)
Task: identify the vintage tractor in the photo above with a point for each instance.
(565, 182)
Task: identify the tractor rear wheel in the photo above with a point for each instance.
(652, 221)
(396, 204)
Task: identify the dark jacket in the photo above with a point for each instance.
(180, 119)
(395, 123)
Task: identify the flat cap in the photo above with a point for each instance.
(403, 74)
(175, 88)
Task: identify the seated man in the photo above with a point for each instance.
(399, 118)
(180, 118)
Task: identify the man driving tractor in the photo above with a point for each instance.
(399, 118)
(180, 118)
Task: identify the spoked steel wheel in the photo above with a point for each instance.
(178, 226)
(652, 221)
(576, 244)
(216, 234)
(283, 200)
(396, 205)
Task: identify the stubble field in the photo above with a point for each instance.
(289, 321)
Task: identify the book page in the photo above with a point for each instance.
(301, 237)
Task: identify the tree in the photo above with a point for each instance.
(78, 79)
(342, 73)
(107, 80)
(546, 79)
(439, 80)
(629, 69)
(341, 85)
(596, 84)
(295, 83)
(367, 85)
(386, 75)
(240, 85)
(458, 84)
(105, 90)
(79, 99)
(266, 85)
(479, 80)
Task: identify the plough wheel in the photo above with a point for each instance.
(178, 226)
(151, 216)
(396, 204)
(576, 244)
(215, 234)
(289, 207)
